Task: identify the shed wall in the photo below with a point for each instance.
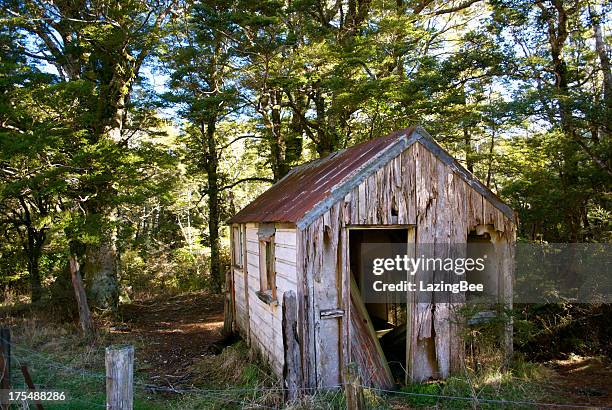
(259, 322)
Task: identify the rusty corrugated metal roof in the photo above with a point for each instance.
(310, 189)
(307, 185)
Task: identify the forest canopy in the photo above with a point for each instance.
(130, 131)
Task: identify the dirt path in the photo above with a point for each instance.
(584, 380)
(173, 332)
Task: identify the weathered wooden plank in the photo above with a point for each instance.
(305, 308)
(362, 218)
(423, 364)
(441, 313)
(292, 368)
(285, 237)
(474, 207)
(504, 252)
(228, 305)
(247, 321)
(458, 237)
(283, 254)
(409, 175)
(345, 285)
(326, 297)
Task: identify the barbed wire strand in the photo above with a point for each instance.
(71, 399)
(492, 401)
(226, 393)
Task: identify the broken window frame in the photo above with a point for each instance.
(267, 269)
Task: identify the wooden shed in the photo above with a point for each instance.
(301, 234)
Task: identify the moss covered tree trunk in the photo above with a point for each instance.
(100, 271)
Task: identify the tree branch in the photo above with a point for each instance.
(249, 179)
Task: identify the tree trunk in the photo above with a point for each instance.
(34, 271)
(326, 138)
(33, 248)
(467, 140)
(213, 204)
(279, 146)
(604, 59)
(100, 271)
(557, 35)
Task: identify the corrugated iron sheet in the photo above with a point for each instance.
(305, 186)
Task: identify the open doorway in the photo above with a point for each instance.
(388, 317)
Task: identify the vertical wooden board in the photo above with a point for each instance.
(303, 323)
(347, 207)
(292, 369)
(312, 268)
(372, 201)
(500, 221)
(475, 212)
(346, 285)
(306, 309)
(504, 250)
(426, 172)
(409, 175)
(245, 271)
(345, 296)
(232, 278)
(386, 188)
(383, 205)
(426, 194)
(327, 296)
(459, 232)
(441, 315)
(397, 171)
(410, 303)
(489, 213)
(363, 202)
(354, 219)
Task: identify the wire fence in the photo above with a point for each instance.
(86, 389)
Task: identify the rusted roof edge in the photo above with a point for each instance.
(358, 176)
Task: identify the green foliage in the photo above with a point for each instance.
(553, 331)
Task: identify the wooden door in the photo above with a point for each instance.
(328, 312)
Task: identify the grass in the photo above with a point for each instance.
(522, 382)
(59, 359)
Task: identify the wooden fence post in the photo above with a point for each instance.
(119, 377)
(352, 388)
(5, 366)
(292, 370)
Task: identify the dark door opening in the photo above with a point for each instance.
(388, 318)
